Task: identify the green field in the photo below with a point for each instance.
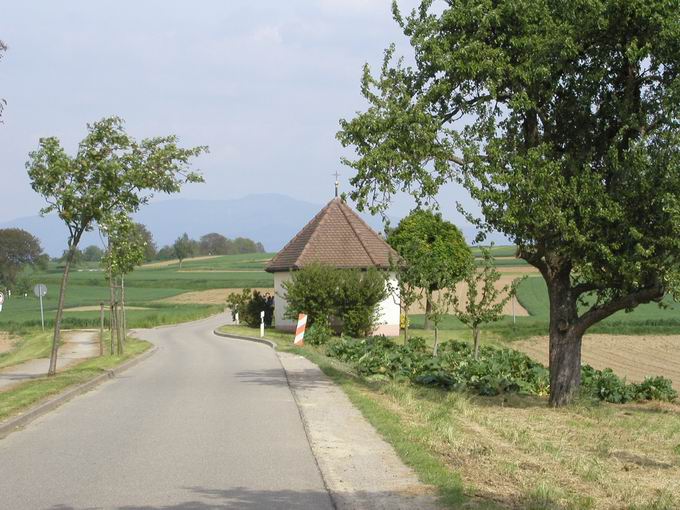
(143, 288)
(496, 251)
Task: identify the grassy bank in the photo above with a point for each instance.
(34, 391)
(512, 451)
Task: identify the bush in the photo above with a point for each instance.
(655, 388)
(318, 333)
(256, 304)
(248, 304)
(323, 292)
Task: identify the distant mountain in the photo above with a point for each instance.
(271, 219)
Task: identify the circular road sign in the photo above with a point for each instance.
(40, 290)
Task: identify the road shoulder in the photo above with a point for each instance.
(360, 469)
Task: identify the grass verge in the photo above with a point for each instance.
(512, 451)
(31, 392)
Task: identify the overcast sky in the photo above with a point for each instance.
(263, 83)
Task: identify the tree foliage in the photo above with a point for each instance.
(183, 247)
(324, 293)
(562, 120)
(18, 248)
(110, 174)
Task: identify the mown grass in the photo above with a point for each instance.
(512, 451)
(32, 392)
(30, 345)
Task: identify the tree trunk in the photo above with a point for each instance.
(101, 329)
(119, 343)
(565, 342)
(475, 339)
(60, 313)
(113, 325)
(428, 310)
(436, 340)
(124, 317)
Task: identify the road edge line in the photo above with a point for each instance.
(42, 408)
(247, 338)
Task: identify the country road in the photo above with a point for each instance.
(203, 423)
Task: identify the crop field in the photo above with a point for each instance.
(147, 290)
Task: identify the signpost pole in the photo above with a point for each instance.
(42, 313)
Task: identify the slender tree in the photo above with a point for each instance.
(433, 251)
(183, 248)
(110, 172)
(562, 119)
(484, 301)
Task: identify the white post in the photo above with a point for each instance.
(236, 318)
(261, 324)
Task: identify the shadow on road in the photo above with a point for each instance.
(304, 379)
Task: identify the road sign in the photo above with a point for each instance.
(40, 290)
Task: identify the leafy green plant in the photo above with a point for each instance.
(318, 333)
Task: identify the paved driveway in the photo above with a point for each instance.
(193, 427)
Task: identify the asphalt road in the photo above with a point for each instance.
(206, 422)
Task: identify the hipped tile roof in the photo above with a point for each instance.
(336, 236)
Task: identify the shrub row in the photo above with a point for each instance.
(496, 371)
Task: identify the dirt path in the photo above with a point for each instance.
(78, 346)
(461, 292)
(166, 263)
(633, 357)
(208, 297)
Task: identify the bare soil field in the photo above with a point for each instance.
(6, 342)
(633, 357)
(461, 292)
(208, 297)
(166, 263)
(95, 308)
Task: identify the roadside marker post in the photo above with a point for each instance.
(262, 324)
(300, 330)
(2, 300)
(40, 291)
(236, 319)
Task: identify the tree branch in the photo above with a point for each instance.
(601, 312)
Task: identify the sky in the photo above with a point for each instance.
(262, 83)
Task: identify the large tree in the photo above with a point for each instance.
(110, 173)
(18, 248)
(146, 238)
(183, 247)
(562, 120)
(433, 251)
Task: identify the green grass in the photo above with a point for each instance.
(647, 318)
(144, 288)
(512, 450)
(29, 346)
(496, 251)
(31, 392)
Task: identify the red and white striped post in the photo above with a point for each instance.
(300, 330)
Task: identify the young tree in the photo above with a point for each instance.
(434, 250)
(183, 248)
(110, 172)
(125, 251)
(569, 139)
(408, 278)
(18, 248)
(484, 301)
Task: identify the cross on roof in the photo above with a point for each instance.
(337, 182)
